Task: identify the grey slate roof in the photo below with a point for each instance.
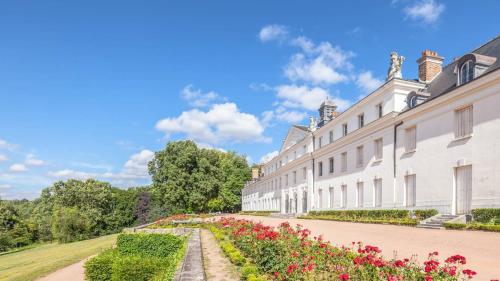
(447, 80)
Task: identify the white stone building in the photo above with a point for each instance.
(432, 142)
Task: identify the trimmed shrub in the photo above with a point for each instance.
(485, 215)
(247, 270)
(357, 214)
(473, 226)
(150, 245)
(137, 268)
(232, 253)
(425, 214)
(99, 267)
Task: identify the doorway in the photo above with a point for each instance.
(463, 189)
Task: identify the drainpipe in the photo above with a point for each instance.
(394, 159)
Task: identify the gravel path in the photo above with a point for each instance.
(217, 266)
(482, 249)
(74, 272)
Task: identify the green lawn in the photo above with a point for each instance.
(41, 260)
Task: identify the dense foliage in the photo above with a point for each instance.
(68, 211)
(187, 179)
(487, 219)
(489, 216)
(288, 253)
(138, 257)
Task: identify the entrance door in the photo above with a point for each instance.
(463, 189)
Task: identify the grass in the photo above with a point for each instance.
(36, 262)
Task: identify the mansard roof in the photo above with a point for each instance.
(487, 54)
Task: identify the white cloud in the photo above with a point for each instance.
(267, 117)
(5, 186)
(137, 165)
(71, 174)
(5, 145)
(17, 168)
(3, 158)
(367, 82)
(197, 98)
(427, 11)
(273, 32)
(318, 64)
(307, 98)
(290, 116)
(221, 123)
(105, 167)
(266, 158)
(32, 161)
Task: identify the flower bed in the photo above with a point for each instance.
(138, 257)
(287, 253)
(398, 217)
(188, 220)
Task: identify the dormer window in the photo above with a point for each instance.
(466, 73)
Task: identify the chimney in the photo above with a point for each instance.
(429, 66)
(255, 173)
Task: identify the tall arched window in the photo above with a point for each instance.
(466, 72)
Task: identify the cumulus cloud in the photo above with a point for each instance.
(71, 174)
(427, 11)
(221, 123)
(273, 32)
(367, 82)
(289, 116)
(3, 158)
(266, 158)
(307, 98)
(197, 98)
(17, 168)
(6, 145)
(318, 64)
(32, 161)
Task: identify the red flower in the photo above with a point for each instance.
(469, 272)
(344, 277)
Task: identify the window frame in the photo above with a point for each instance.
(360, 161)
(320, 168)
(407, 147)
(343, 159)
(378, 149)
(361, 120)
(344, 129)
(464, 130)
(380, 110)
(331, 163)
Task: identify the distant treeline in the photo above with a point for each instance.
(185, 179)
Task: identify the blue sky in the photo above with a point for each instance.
(92, 88)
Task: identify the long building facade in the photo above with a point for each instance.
(431, 142)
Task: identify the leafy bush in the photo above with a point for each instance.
(99, 268)
(137, 268)
(232, 253)
(138, 257)
(485, 215)
(425, 214)
(473, 226)
(152, 245)
(247, 270)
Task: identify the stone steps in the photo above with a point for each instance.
(436, 222)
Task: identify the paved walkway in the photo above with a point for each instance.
(482, 249)
(217, 265)
(74, 272)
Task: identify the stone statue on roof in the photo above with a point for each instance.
(395, 67)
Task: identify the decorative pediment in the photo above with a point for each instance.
(295, 134)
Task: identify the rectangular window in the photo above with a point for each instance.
(320, 142)
(304, 148)
(304, 173)
(361, 120)
(331, 136)
(378, 148)
(294, 177)
(411, 139)
(330, 204)
(360, 195)
(344, 162)
(410, 190)
(331, 164)
(379, 109)
(359, 156)
(286, 180)
(377, 186)
(344, 129)
(320, 169)
(343, 203)
(463, 122)
(295, 155)
(280, 182)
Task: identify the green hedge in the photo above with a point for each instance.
(473, 226)
(256, 213)
(350, 215)
(405, 221)
(138, 257)
(486, 215)
(425, 214)
(151, 245)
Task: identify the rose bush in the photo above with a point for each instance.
(289, 253)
